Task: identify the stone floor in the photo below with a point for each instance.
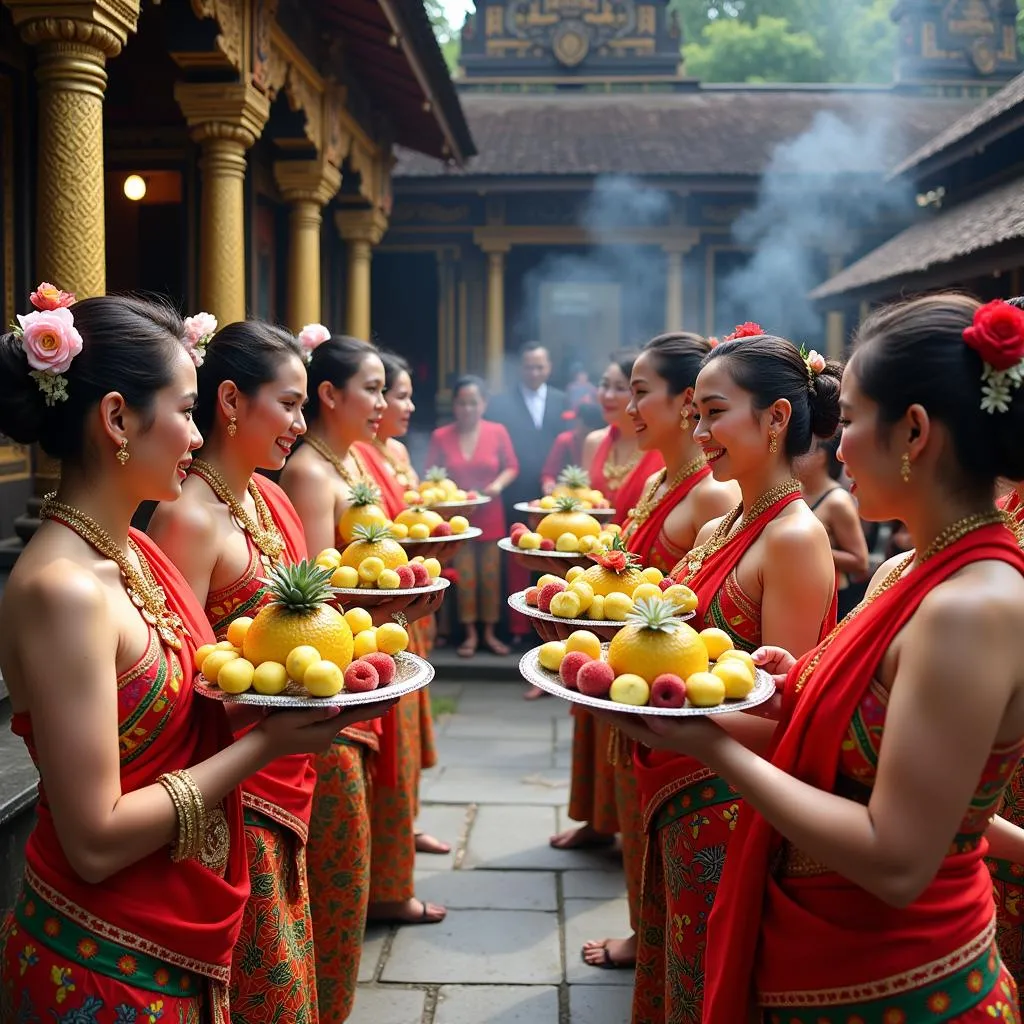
(518, 911)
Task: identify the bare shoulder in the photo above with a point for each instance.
(983, 599)
(303, 469)
(714, 498)
(60, 587)
(398, 449)
(786, 533)
(190, 518)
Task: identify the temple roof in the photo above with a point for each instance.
(711, 131)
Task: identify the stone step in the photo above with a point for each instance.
(484, 666)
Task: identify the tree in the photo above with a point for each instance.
(447, 37)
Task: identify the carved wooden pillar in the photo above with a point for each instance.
(675, 306)
(495, 334)
(225, 119)
(835, 319)
(307, 186)
(361, 230)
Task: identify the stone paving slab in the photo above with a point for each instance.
(373, 947)
(519, 754)
(490, 726)
(545, 786)
(517, 947)
(589, 1004)
(446, 822)
(494, 1004)
(383, 1005)
(609, 884)
(594, 919)
(489, 890)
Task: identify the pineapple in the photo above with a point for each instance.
(653, 642)
(573, 482)
(615, 572)
(297, 614)
(363, 510)
(374, 540)
(438, 478)
(568, 517)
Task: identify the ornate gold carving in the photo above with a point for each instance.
(361, 225)
(495, 21)
(72, 31)
(263, 17)
(314, 181)
(230, 16)
(223, 110)
(339, 141)
(303, 95)
(103, 25)
(646, 20)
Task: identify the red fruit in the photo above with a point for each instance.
(407, 576)
(547, 544)
(665, 582)
(668, 691)
(570, 668)
(421, 578)
(531, 597)
(384, 665)
(595, 678)
(361, 676)
(547, 592)
(472, 495)
(441, 530)
(518, 528)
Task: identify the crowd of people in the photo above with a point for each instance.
(851, 852)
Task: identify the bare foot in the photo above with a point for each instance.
(610, 954)
(586, 837)
(534, 693)
(412, 911)
(428, 844)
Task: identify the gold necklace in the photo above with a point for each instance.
(325, 450)
(263, 530)
(648, 503)
(401, 472)
(949, 536)
(142, 588)
(1013, 515)
(698, 556)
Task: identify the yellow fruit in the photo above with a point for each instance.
(459, 524)
(299, 659)
(236, 676)
(630, 688)
(586, 546)
(324, 679)
(617, 606)
(200, 655)
(649, 590)
(586, 505)
(329, 558)
(370, 569)
(741, 656)
(549, 578)
(652, 573)
(682, 597)
(237, 630)
(364, 642)
(363, 511)
(358, 619)
(606, 580)
(392, 638)
(547, 502)
(411, 497)
(550, 655)
(615, 529)
(374, 541)
(389, 580)
(574, 571)
(529, 541)
(736, 677)
(215, 662)
(270, 678)
(596, 609)
(345, 577)
(459, 495)
(568, 518)
(433, 567)
(704, 690)
(653, 642)
(565, 605)
(717, 641)
(399, 531)
(584, 591)
(419, 531)
(585, 641)
(567, 542)
(225, 645)
(418, 516)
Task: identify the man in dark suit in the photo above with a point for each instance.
(531, 412)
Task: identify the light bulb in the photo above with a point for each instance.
(134, 187)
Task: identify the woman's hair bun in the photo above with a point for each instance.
(21, 402)
(825, 400)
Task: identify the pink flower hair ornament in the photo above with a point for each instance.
(199, 329)
(311, 337)
(49, 340)
(814, 361)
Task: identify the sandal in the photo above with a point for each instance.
(607, 962)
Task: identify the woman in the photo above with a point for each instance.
(136, 877)
(393, 809)
(227, 530)
(855, 887)
(568, 447)
(818, 472)
(763, 571)
(346, 404)
(617, 466)
(478, 456)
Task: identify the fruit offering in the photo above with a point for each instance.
(575, 597)
(653, 661)
(438, 489)
(568, 521)
(364, 509)
(375, 560)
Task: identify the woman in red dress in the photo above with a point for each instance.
(230, 526)
(671, 507)
(855, 887)
(764, 570)
(568, 447)
(479, 457)
(136, 876)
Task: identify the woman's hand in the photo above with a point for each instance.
(494, 488)
(696, 735)
(311, 732)
(415, 608)
(775, 661)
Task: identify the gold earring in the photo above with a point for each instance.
(773, 442)
(905, 467)
(122, 451)
(232, 427)
(684, 420)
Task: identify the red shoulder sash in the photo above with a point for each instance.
(390, 490)
(645, 537)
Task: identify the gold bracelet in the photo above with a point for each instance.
(175, 790)
(197, 805)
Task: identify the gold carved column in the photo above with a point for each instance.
(674, 251)
(494, 346)
(361, 230)
(225, 119)
(307, 186)
(835, 319)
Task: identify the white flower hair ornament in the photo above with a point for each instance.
(997, 335)
(199, 329)
(50, 340)
(311, 337)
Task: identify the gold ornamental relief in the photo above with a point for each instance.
(303, 95)
(570, 43)
(73, 31)
(230, 16)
